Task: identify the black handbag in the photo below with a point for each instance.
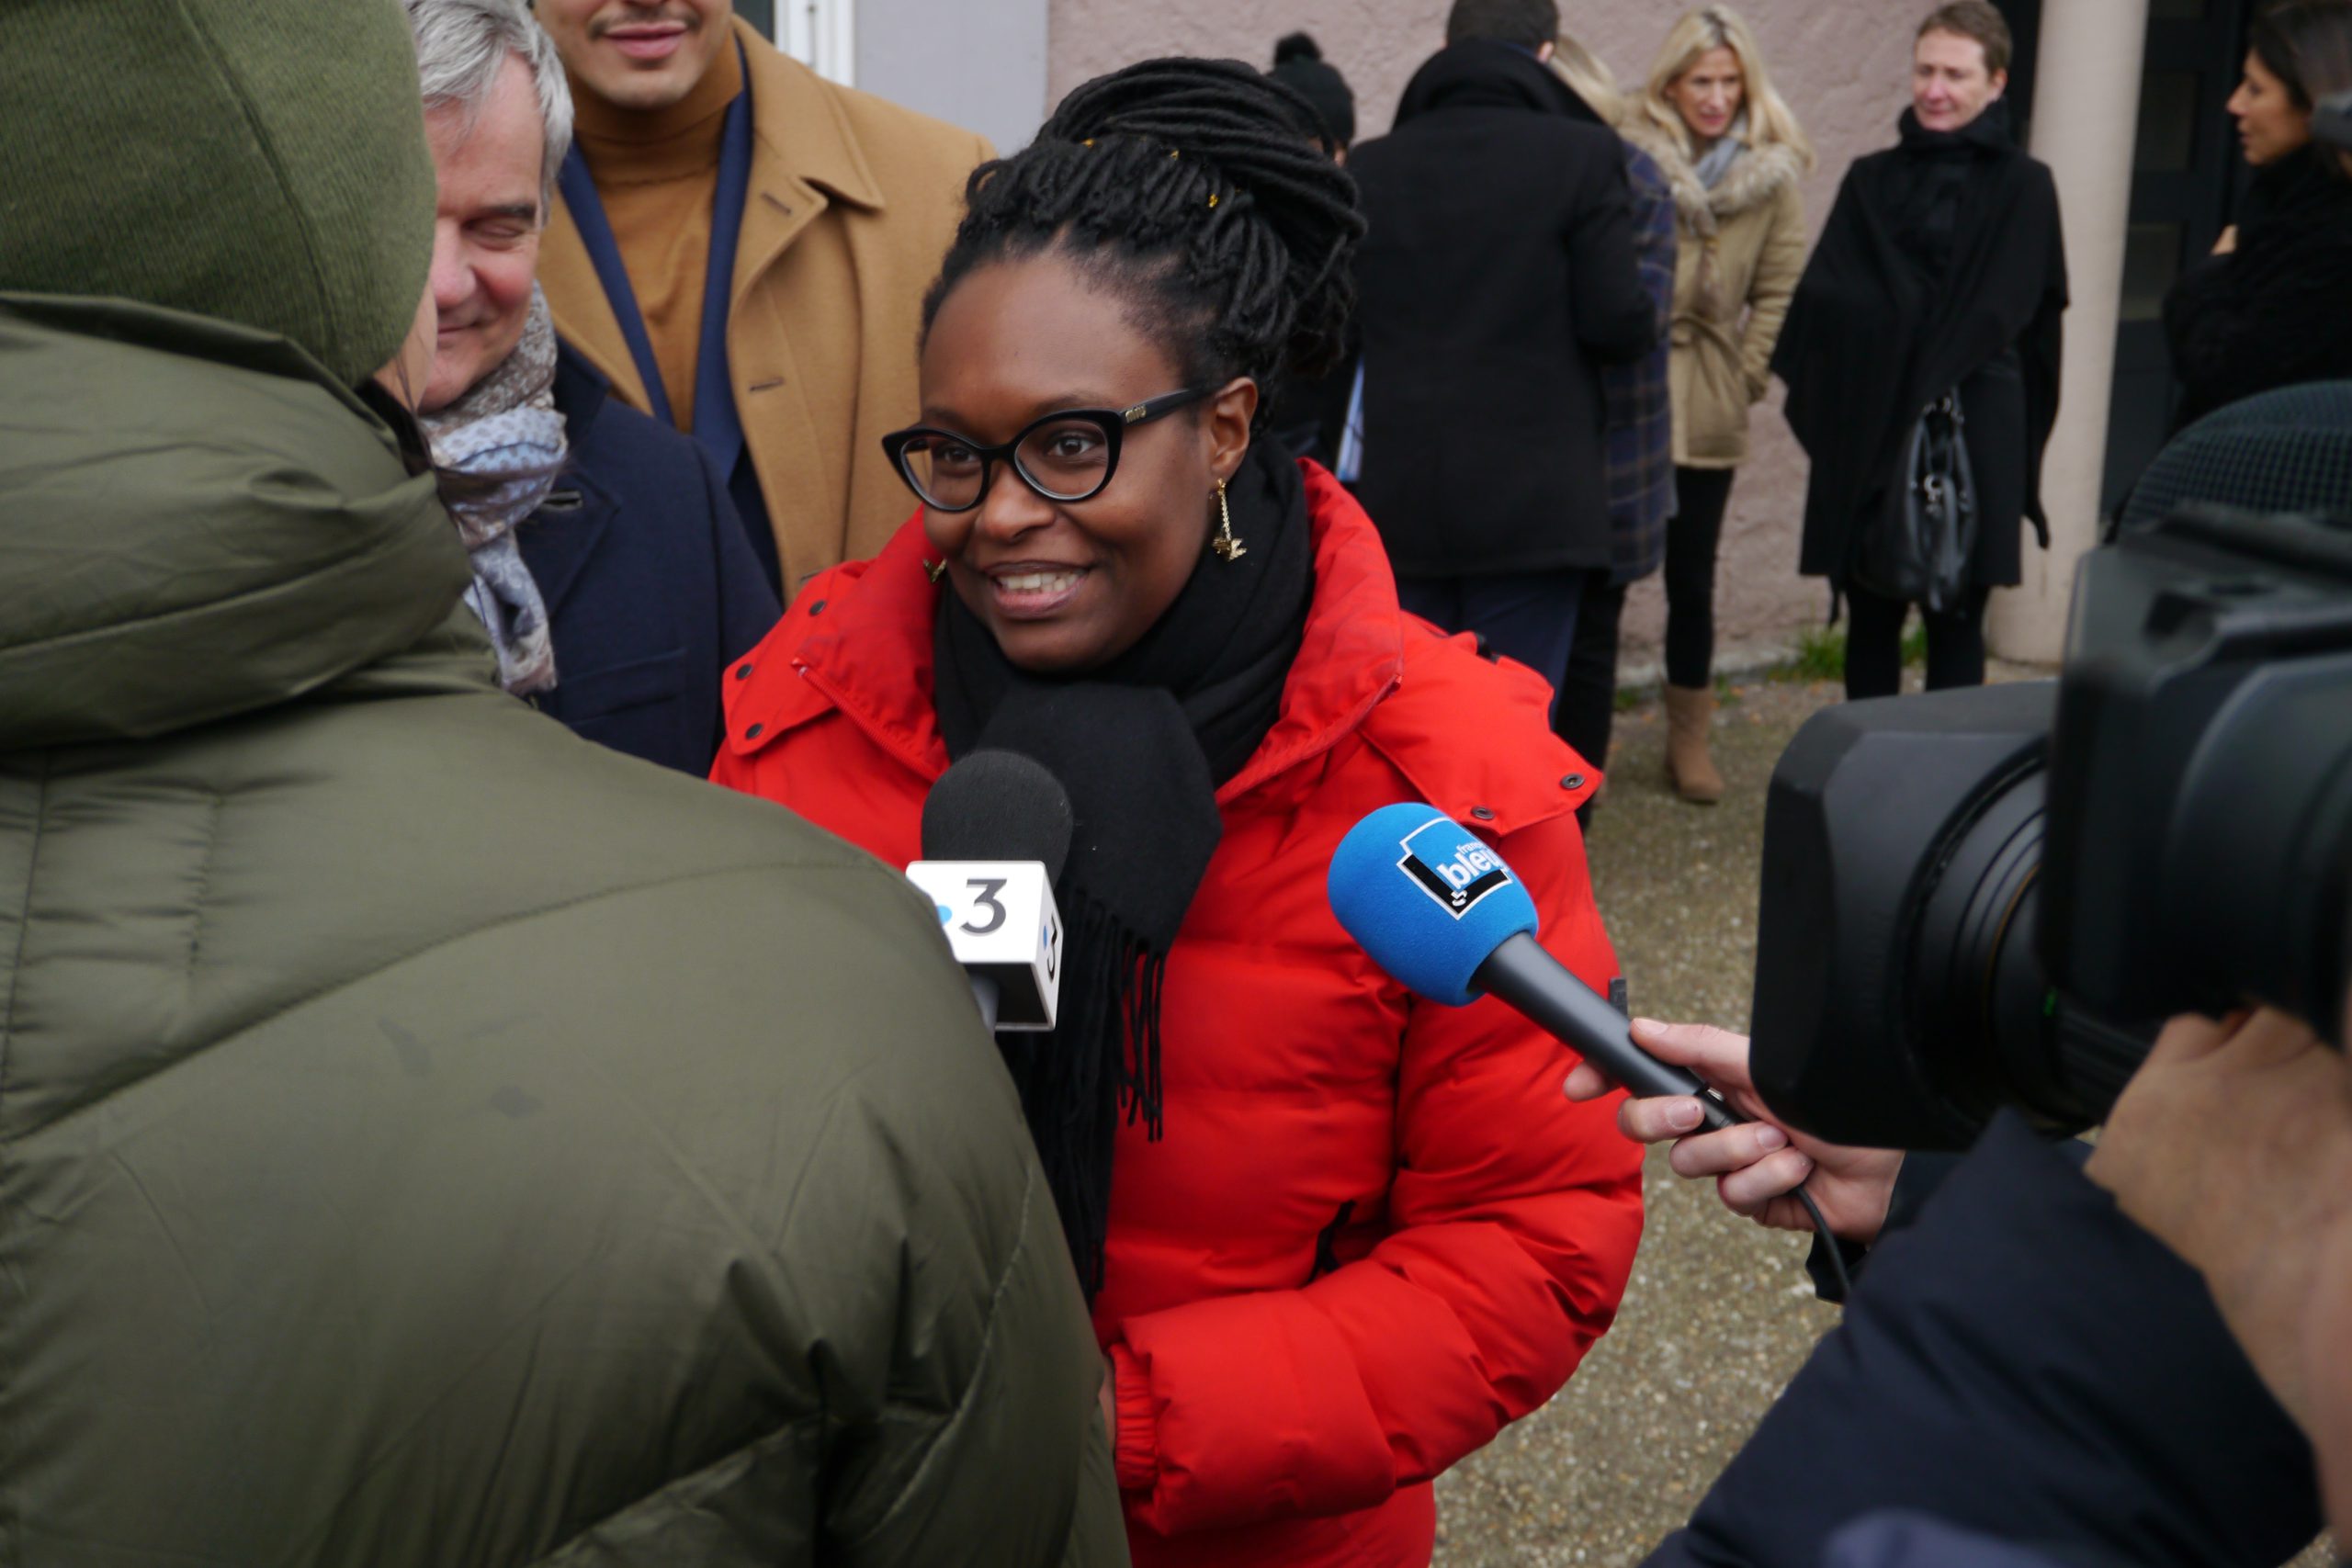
(1926, 539)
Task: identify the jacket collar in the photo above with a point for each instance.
(804, 158)
(1484, 73)
(1756, 176)
(237, 530)
(872, 656)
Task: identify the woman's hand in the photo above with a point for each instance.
(1757, 1166)
(1108, 1393)
(2227, 242)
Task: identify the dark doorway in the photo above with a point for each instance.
(2184, 174)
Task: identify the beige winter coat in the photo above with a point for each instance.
(1739, 249)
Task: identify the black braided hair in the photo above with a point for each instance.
(1186, 188)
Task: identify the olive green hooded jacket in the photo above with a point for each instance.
(426, 1138)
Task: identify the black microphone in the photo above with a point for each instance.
(1530, 982)
(996, 832)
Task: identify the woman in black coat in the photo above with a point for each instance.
(2272, 306)
(1941, 269)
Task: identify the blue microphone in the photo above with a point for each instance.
(1438, 909)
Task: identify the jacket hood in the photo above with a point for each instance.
(1482, 73)
(1756, 176)
(202, 523)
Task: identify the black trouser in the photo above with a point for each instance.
(1874, 643)
(1588, 703)
(1691, 539)
(1527, 616)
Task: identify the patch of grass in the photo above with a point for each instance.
(1628, 698)
(1914, 643)
(1726, 694)
(1819, 655)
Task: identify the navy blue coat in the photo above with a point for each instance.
(2022, 1373)
(651, 586)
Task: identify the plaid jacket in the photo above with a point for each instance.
(1639, 438)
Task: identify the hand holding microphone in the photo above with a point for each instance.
(1759, 1164)
(1441, 913)
(1438, 909)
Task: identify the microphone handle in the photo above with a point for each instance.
(987, 994)
(1529, 981)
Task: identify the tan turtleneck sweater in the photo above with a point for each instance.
(657, 174)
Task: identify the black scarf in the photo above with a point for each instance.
(1141, 744)
(1926, 221)
(2274, 312)
(1941, 254)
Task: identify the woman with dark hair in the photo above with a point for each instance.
(1921, 351)
(1335, 1237)
(2272, 306)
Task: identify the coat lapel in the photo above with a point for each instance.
(583, 317)
(569, 524)
(804, 163)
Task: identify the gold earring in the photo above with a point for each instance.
(1226, 547)
(934, 569)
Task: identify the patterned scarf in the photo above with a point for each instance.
(498, 450)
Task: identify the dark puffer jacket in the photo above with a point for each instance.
(426, 1137)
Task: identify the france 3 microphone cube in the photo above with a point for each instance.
(1004, 929)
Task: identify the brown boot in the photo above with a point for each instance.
(1690, 713)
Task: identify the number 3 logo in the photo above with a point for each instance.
(989, 886)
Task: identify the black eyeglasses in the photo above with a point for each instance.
(1063, 457)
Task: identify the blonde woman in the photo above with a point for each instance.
(1734, 153)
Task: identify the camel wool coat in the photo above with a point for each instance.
(1739, 250)
(852, 205)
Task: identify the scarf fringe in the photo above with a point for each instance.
(1113, 978)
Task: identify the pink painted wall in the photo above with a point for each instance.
(1842, 63)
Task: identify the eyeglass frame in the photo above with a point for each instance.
(1114, 423)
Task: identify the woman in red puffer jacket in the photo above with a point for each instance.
(1336, 1237)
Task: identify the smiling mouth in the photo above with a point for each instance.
(1033, 593)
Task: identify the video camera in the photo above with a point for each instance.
(1995, 896)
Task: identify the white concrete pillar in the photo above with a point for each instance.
(2085, 120)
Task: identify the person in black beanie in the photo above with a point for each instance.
(2267, 308)
(1309, 411)
(1940, 279)
(1300, 66)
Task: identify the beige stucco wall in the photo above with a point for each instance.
(1842, 63)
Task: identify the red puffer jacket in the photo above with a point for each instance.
(1373, 1232)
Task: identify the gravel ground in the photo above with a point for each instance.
(1720, 1313)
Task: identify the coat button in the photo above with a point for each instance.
(1574, 781)
(818, 608)
(742, 671)
(754, 733)
(1483, 813)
